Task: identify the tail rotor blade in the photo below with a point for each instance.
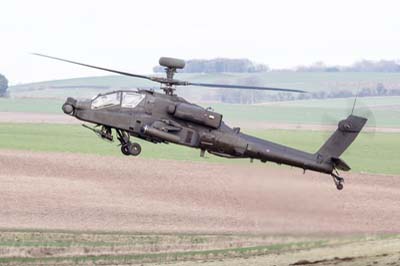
(354, 107)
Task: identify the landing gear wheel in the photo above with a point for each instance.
(135, 149)
(338, 181)
(131, 149)
(125, 149)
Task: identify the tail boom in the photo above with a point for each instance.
(325, 160)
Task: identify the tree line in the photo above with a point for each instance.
(219, 65)
(359, 66)
(251, 97)
(3, 85)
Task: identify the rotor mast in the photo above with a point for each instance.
(169, 87)
(171, 65)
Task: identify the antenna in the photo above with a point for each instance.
(355, 99)
(354, 104)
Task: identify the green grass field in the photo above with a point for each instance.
(34, 247)
(382, 111)
(377, 153)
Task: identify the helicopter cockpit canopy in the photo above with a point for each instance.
(106, 100)
(127, 99)
(131, 99)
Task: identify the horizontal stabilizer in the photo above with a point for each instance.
(340, 164)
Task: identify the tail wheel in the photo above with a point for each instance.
(338, 181)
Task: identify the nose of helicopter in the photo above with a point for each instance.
(69, 106)
(72, 104)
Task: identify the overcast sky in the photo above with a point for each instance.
(132, 35)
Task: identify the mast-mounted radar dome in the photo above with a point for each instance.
(170, 62)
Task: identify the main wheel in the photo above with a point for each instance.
(125, 149)
(135, 149)
(339, 186)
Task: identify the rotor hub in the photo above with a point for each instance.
(171, 65)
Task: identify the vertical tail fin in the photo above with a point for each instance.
(348, 129)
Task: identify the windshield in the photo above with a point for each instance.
(131, 99)
(106, 100)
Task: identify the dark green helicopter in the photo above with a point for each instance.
(167, 118)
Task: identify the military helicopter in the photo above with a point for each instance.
(168, 118)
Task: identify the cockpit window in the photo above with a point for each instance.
(106, 100)
(131, 99)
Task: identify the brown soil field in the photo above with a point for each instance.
(88, 192)
(186, 213)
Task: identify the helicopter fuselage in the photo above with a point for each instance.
(161, 118)
(167, 118)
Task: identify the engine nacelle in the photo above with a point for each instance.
(196, 114)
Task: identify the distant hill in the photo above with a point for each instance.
(319, 84)
(219, 65)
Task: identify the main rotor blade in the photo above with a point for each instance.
(171, 82)
(243, 87)
(96, 67)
